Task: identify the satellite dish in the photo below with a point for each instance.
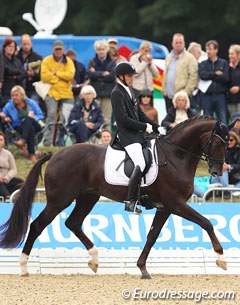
(49, 15)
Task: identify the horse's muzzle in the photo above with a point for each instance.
(215, 170)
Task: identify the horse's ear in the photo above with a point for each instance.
(222, 130)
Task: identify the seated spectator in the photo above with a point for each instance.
(86, 116)
(180, 112)
(231, 166)
(105, 137)
(8, 171)
(146, 104)
(25, 116)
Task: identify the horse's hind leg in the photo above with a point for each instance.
(158, 222)
(84, 205)
(190, 214)
(36, 228)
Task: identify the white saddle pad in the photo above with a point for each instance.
(117, 176)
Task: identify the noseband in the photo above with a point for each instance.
(206, 156)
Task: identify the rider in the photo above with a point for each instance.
(132, 123)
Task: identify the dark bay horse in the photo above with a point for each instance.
(76, 172)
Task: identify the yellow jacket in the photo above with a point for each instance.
(61, 82)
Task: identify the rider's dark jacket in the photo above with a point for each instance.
(131, 121)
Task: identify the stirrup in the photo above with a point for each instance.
(131, 206)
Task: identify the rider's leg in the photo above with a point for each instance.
(135, 153)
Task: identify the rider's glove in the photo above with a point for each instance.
(149, 128)
(161, 130)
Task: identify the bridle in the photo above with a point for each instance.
(205, 155)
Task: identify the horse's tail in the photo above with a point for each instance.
(13, 232)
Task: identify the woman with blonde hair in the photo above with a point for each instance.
(180, 112)
(25, 116)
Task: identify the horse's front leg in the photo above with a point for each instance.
(190, 214)
(158, 222)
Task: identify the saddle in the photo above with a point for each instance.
(128, 163)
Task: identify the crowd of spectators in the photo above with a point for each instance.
(195, 81)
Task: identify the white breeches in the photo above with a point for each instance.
(135, 153)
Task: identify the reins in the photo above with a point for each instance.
(202, 156)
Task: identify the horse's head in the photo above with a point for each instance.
(215, 149)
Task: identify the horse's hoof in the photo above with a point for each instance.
(92, 265)
(221, 264)
(24, 274)
(146, 277)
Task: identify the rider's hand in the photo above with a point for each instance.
(161, 130)
(149, 128)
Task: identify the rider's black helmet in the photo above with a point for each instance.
(124, 68)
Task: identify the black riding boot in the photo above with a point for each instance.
(132, 191)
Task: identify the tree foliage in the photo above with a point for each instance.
(154, 20)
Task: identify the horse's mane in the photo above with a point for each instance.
(187, 122)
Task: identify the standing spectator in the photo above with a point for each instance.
(180, 112)
(233, 96)
(145, 68)
(146, 104)
(113, 50)
(80, 72)
(8, 171)
(181, 71)
(25, 116)
(216, 71)
(14, 73)
(1, 79)
(195, 100)
(31, 62)
(86, 116)
(58, 70)
(101, 75)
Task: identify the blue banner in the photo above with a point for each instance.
(109, 226)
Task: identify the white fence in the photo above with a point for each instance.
(62, 261)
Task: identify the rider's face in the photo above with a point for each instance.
(129, 79)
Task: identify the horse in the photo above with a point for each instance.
(77, 173)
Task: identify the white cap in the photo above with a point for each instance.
(113, 39)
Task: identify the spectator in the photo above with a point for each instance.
(216, 71)
(101, 75)
(180, 112)
(8, 171)
(231, 166)
(233, 96)
(196, 50)
(145, 68)
(58, 70)
(181, 71)
(1, 79)
(31, 62)
(79, 76)
(113, 50)
(146, 104)
(25, 116)
(105, 137)
(86, 116)
(14, 73)
(195, 100)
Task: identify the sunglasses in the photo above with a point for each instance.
(145, 96)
